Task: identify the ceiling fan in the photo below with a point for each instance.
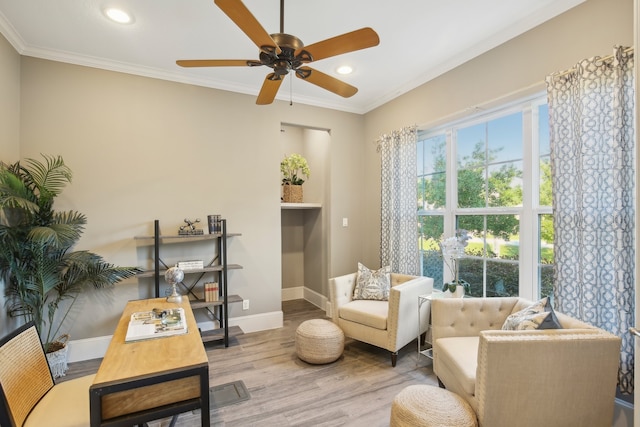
(284, 53)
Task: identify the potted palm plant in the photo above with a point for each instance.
(293, 167)
(42, 273)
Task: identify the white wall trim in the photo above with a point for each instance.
(316, 299)
(96, 347)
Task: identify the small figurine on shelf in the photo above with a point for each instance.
(190, 229)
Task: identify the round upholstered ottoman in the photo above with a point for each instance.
(319, 341)
(429, 406)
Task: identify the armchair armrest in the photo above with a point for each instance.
(555, 369)
(402, 320)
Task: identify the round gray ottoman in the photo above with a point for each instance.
(429, 406)
(319, 341)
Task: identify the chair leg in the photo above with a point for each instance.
(394, 358)
(440, 383)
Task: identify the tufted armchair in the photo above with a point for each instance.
(525, 378)
(388, 324)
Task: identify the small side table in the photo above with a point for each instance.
(428, 351)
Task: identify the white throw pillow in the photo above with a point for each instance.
(372, 284)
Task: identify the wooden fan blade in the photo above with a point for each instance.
(244, 19)
(348, 42)
(214, 62)
(269, 89)
(327, 82)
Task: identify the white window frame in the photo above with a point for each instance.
(529, 212)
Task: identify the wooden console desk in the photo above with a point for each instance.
(147, 380)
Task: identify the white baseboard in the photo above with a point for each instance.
(316, 299)
(258, 322)
(88, 348)
(95, 348)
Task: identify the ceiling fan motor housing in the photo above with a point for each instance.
(285, 61)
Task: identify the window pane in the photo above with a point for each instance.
(470, 145)
(505, 138)
(502, 278)
(545, 255)
(492, 258)
(471, 188)
(505, 184)
(490, 163)
(429, 235)
(472, 271)
(431, 173)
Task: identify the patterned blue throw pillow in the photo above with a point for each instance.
(372, 284)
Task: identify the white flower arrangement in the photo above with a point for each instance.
(293, 167)
(452, 250)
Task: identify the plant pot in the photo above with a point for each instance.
(58, 357)
(292, 193)
(458, 293)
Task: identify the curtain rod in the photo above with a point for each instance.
(604, 58)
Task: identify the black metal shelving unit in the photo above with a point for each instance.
(218, 265)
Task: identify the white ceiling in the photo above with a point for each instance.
(419, 39)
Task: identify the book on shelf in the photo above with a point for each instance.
(190, 265)
(211, 291)
(156, 323)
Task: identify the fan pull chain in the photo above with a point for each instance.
(290, 90)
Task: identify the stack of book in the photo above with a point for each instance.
(190, 265)
(210, 291)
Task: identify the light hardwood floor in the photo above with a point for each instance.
(356, 390)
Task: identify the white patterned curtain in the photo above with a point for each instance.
(591, 117)
(398, 210)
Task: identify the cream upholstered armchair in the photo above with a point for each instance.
(388, 324)
(525, 378)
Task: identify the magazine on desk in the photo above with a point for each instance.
(157, 323)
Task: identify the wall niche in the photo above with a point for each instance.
(304, 225)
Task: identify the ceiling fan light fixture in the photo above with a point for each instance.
(118, 15)
(344, 70)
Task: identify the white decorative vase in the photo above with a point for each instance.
(458, 293)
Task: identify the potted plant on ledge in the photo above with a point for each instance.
(293, 168)
(452, 251)
(43, 276)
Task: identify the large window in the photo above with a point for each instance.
(489, 175)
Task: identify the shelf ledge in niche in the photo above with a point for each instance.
(300, 205)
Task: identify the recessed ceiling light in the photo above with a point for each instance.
(118, 15)
(344, 69)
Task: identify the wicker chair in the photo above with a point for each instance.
(28, 394)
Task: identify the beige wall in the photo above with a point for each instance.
(9, 103)
(144, 149)
(519, 65)
(9, 132)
